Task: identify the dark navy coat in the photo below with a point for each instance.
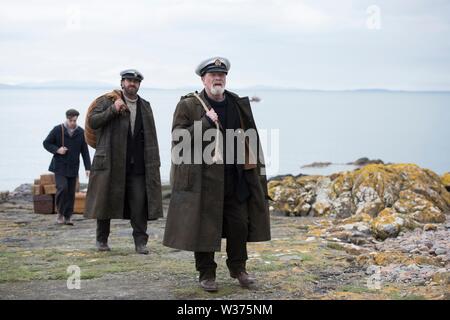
(68, 164)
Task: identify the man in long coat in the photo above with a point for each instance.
(214, 200)
(125, 180)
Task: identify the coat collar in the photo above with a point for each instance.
(75, 133)
(243, 104)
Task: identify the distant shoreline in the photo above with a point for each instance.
(102, 86)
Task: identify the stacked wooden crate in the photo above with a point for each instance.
(80, 202)
(44, 190)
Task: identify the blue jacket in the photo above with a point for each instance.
(68, 164)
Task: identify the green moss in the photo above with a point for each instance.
(356, 289)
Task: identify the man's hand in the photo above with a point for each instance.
(88, 173)
(62, 151)
(212, 115)
(120, 105)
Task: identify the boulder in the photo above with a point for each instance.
(390, 197)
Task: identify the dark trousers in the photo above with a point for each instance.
(136, 202)
(235, 230)
(65, 194)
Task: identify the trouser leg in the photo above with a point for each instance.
(205, 265)
(70, 199)
(65, 194)
(136, 199)
(235, 229)
(61, 190)
(103, 228)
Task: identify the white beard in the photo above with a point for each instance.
(217, 90)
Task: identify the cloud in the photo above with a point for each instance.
(317, 44)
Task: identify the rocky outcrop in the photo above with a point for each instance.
(365, 161)
(317, 165)
(4, 196)
(386, 199)
(445, 179)
(21, 193)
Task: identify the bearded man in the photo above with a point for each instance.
(125, 180)
(223, 199)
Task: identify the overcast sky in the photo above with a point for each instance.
(305, 44)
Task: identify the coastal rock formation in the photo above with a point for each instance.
(365, 161)
(446, 180)
(386, 199)
(22, 193)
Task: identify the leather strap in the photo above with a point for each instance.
(217, 155)
(62, 134)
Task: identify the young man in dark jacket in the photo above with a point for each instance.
(66, 143)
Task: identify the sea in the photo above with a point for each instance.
(298, 127)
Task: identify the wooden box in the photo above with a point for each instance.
(37, 189)
(47, 179)
(50, 189)
(80, 202)
(44, 203)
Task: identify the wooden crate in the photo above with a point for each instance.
(37, 189)
(50, 189)
(47, 179)
(44, 203)
(80, 202)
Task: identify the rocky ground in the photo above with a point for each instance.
(309, 257)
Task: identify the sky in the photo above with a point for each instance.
(329, 45)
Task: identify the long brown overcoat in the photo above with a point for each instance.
(194, 219)
(105, 198)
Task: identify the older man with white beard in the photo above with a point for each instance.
(214, 200)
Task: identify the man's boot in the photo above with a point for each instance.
(141, 249)
(209, 285)
(59, 219)
(68, 221)
(103, 246)
(244, 279)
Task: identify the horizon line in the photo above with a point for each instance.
(80, 85)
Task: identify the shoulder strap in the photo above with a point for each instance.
(217, 154)
(201, 101)
(195, 94)
(62, 134)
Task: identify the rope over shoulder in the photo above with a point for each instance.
(217, 154)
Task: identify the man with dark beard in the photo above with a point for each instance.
(211, 201)
(125, 180)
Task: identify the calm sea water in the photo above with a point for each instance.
(312, 126)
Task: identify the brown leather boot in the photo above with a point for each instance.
(59, 219)
(244, 279)
(141, 249)
(103, 246)
(209, 285)
(68, 221)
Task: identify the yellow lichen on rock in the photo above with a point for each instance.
(387, 224)
(389, 197)
(445, 179)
